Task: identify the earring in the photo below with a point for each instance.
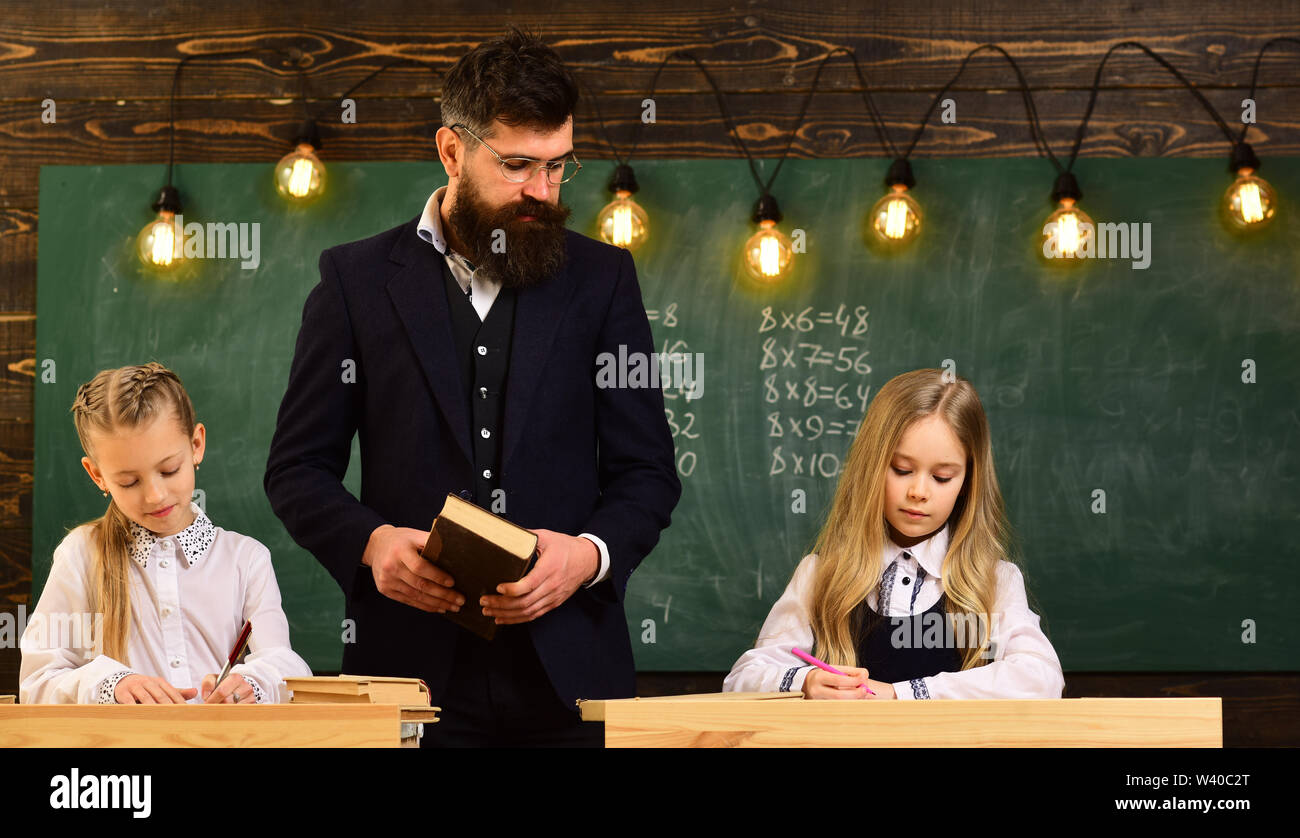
(106, 494)
(196, 466)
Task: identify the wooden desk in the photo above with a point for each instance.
(207, 726)
(730, 720)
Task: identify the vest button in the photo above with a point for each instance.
(487, 472)
(482, 392)
(466, 494)
(482, 350)
(485, 433)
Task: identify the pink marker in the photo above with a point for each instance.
(804, 656)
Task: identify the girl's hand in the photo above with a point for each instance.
(146, 689)
(882, 689)
(822, 684)
(233, 690)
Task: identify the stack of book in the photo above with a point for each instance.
(359, 689)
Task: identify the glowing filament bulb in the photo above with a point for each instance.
(300, 180)
(156, 244)
(896, 218)
(768, 253)
(300, 175)
(1251, 210)
(1250, 203)
(623, 222)
(1067, 233)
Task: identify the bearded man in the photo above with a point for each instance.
(474, 331)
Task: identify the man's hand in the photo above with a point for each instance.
(564, 564)
(401, 573)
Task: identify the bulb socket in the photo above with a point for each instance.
(308, 133)
(168, 199)
(1066, 187)
(900, 172)
(1243, 157)
(623, 179)
(766, 210)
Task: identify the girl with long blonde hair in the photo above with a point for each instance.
(144, 603)
(908, 591)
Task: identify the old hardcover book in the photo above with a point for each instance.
(480, 551)
(357, 689)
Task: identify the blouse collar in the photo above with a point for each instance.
(194, 539)
(929, 553)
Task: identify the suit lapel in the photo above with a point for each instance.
(417, 293)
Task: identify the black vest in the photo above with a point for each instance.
(483, 347)
(897, 649)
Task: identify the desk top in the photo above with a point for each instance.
(200, 725)
(767, 720)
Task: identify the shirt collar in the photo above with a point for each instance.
(430, 228)
(194, 539)
(928, 554)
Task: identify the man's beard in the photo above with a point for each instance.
(526, 252)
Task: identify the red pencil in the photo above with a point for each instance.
(240, 645)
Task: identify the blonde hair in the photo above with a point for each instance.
(853, 539)
(126, 397)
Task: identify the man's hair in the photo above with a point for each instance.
(516, 79)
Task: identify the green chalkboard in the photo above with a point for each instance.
(1103, 377)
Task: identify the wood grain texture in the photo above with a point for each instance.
(1065, 723)
(198, 726)
(110, 68)
(1260, 709)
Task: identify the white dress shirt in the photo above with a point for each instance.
(482, 291)
(1024, 663)
(190, 594)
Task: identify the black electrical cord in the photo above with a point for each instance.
(1096, 84)
(1031, 112)
(877, 120)
(176, 80)
(394, 63)
(1254, 76)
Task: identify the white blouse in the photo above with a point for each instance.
(1024, 663)
(190, 595)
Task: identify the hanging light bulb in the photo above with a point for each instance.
(1068, 232)
(300, 175)
(623, 222)
(1250, 203)
(768, 254)
(895, 220)
(159, 243)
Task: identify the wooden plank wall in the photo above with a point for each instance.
(109, 65)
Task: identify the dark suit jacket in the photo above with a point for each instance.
(575, 458)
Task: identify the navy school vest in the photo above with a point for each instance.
(895, 649)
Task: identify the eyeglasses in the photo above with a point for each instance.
(522, 169)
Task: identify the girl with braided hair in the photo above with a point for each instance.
(144, 603)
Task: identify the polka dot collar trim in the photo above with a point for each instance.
(194, 539)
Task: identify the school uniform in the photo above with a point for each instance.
(905, 638)
(190, 594)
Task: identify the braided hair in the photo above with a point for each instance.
(126, 397)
